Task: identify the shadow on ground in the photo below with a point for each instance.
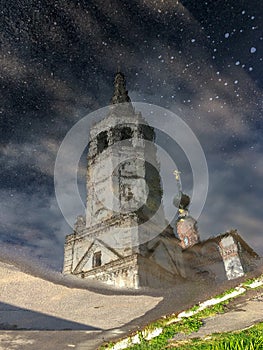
(16, 318)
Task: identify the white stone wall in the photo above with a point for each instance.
(153, 275)
(230, 255)
(135, 272)
(120, 273)
(68, 255)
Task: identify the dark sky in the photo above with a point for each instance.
(200, 59)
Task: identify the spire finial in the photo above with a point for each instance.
(120, 94)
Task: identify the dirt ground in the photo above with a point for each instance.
(46, 312)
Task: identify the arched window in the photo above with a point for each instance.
(122, 133)
(96, 261)
(146, 132)
(126, 133)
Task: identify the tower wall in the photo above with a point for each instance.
(231, 259)
(68, 254)
(187, 232)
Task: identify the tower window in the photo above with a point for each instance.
(146, 132)
(121, 134)
(102, 141)
(126, 133)
(96, 261)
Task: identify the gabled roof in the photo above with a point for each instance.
(236, 237)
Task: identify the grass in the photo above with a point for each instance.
(213, 310)
(194, 308)
(249, 339)
(186, 325)
(229, 291)
(248, 282)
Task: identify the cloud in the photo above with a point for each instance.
(33, 222)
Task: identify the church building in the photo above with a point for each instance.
(122, 240)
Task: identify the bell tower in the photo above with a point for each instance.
(124, 196)
(123, 181)
(186, 225)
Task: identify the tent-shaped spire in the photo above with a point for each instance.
(120, 94)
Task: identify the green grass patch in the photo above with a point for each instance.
(249, 339)
(192, 324)
(194, 308)
(249, 281)
(229, 291)
(213, 310)
(186, 325)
